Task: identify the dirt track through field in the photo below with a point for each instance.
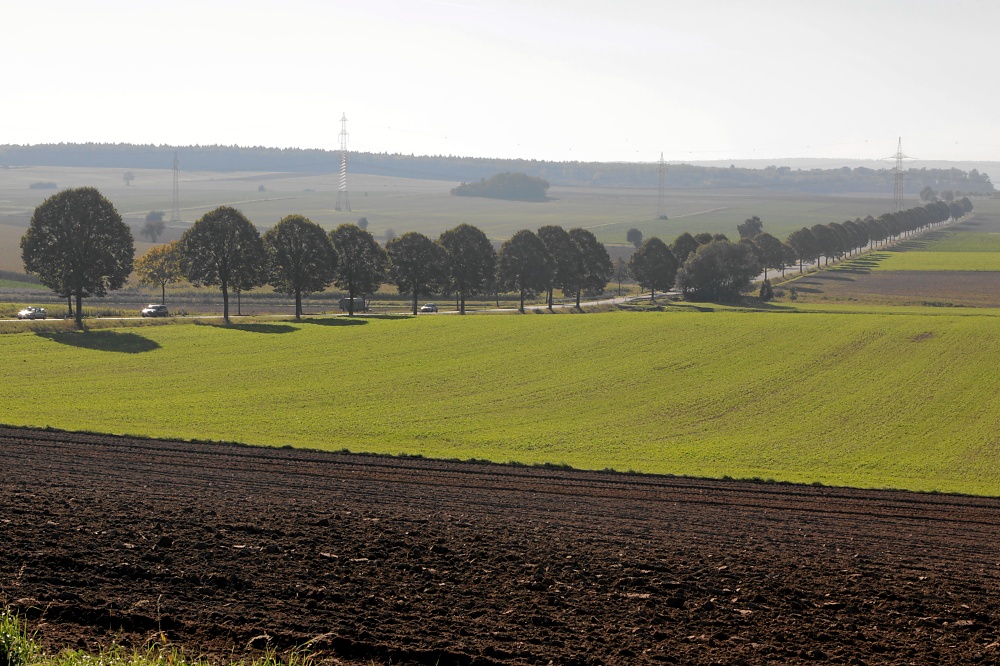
(222, 549)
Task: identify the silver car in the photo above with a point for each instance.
(155, 310)
(31, 312)
(429, 307)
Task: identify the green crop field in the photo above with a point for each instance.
(967, 241)
(883, 398)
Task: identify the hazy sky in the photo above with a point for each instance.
(543, 79)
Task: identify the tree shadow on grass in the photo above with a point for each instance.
(860, 265)
(256, 328)
(334, 321)
(264, 328)
(111, 341)
(757, 305)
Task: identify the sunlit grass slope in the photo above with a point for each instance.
(874, 400)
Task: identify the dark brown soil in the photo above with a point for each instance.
(225, 550)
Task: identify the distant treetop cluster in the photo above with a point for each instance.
(511, 186)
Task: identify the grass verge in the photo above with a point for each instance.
(19, 648)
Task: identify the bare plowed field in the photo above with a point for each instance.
(979, 289)
(226, 550)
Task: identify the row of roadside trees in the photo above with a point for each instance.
(297, 257)
(710, 267)
(79, 247)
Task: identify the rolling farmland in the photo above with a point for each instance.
(228, 550)
(894, 399)
(407, 204)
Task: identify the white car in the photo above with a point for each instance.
(429, 307)
(31, 312)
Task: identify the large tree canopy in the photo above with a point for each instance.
(653, 266)
(223, 248)
(78, 246)
(595, 268)
(416, 265)
(826, 242)
(683, 246)
(301, 258)
(566, 261)
(524, 265)
(160, 266)
(361, 262)
(770, 252)
(470, 263)
(719, 271)
(804, 243)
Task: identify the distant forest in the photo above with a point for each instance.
(512, 186)
(472, 169)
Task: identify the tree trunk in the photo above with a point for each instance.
(298, 304)
(551, 289)
(69, 303)
(578, 291)
(522, 301)
(414, 301)
(239, 303)
(461, 306)
(79, 311)
(225, 302)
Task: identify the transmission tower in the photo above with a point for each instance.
(897, 172)
(343, 200)
(661, 205)
(175, 211)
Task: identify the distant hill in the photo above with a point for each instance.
(774, 175)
